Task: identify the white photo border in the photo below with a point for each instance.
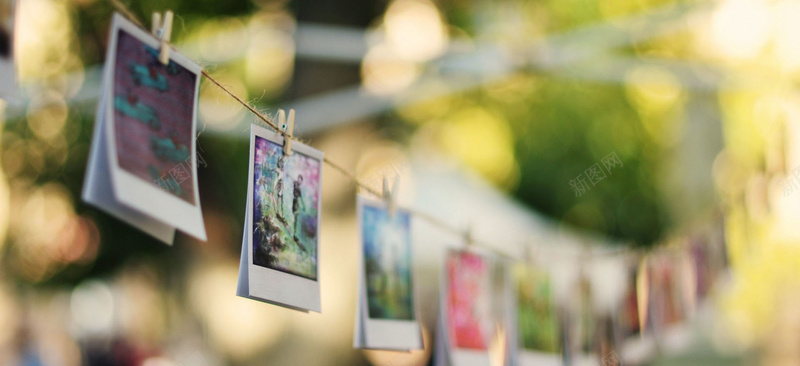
(390, 334)
(462, 356)
(290, 290)
(528, 356)
(132, 191)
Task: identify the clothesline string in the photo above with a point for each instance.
(122, 8)
(275, 127)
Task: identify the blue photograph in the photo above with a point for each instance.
(387, 263)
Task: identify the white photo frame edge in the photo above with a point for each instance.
(461, 356)
(281, 288)
(526, 356)
(133, 191)
(98, 191)
(385, 333)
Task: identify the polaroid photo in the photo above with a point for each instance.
(635, 342)
(99, 192)
(669, 302)
(536, 321)
(718, 252)
(386, 316)
(8, 71)
(607, 340)
(506, 310)
(280, 248)
(699, 249)
(143, 162)
(467, 318)
(585, 348)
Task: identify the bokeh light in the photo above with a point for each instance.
(692, 97)
(741, 28)
(383, 72)
(414, 29)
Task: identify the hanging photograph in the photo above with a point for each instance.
(8, 73)
(585, 349)
(537, 322)
(467, 317)
(386, 281)
(670, 300)
(605, 333)
(283, 216)
(469, 300)
(631, 318)
(143, 166)
(386, 241)
(153, 113)
(628, 316)
(699, 249)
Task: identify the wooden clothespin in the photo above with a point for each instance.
(469, 238)
(282, 120)
(163, 32)
(288, 130)
(390, 196)
(156, 23)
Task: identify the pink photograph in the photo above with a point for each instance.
(469, 300)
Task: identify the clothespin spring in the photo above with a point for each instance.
(288, 130)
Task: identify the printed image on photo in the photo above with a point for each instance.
(153, 117)
(667, 292)
(536, 315)
(469, 300)
(387, 263)
(286, 193)
(700, 260)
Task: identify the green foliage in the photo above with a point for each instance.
(568, 128)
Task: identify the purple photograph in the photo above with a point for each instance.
(286, 193)
(153, 117)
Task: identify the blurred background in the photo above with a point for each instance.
(487, 111)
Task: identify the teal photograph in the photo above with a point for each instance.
(387, 262)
